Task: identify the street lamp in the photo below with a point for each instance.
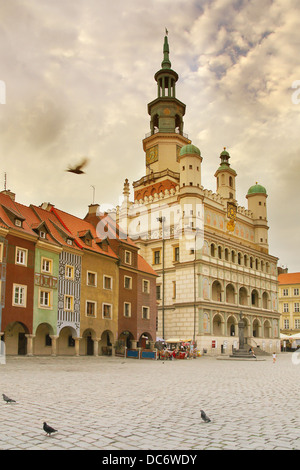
(162, 221)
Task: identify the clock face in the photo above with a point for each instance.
(152, 155)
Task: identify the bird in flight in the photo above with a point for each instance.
(205, 417)
(8, 400)
(78, 169)
(48, 430)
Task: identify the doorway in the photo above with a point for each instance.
(22, 345)
(89, 346)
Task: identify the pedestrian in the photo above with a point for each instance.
(274, 357)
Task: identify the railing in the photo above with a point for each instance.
(157, 131)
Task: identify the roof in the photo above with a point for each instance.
(257, 189)
(190, 149)
(77, 227)
(145, 267)
(289, 278)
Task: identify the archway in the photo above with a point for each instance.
(267, 329)
(256, 328)
(87, 342)
(15, 339)
(217, 325)
(254, 298)
(217, 291)
(243, 296)
(42, 341)
(265, 300)
(106, 343)
(231, 326)
(66, 341)
(144, 340)
(230, 294)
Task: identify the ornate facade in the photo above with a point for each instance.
(211, 254)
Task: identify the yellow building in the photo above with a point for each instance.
(289, 302)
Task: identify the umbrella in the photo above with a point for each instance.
(283, 336)
(296, 336)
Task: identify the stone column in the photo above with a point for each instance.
(54, 345)
(77, 340)
(96, 346)
(241, 326)
(30, 344)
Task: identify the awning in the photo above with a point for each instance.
(179, 340)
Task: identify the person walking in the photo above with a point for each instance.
(274, 357)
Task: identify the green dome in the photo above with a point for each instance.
(224, 153)
(257, 189)
(190, 148)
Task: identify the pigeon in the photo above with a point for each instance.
(8, 400)
(205, 417)
(77, 169)
(48, 430)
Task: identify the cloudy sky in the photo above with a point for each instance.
(79, 75)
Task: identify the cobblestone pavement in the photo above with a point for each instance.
(112, 403)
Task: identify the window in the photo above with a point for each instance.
(46, 265)
(174, 289)
(19, 295)
(296, 291)
(285, 292)
(21, 256)
(128, 257)
(18, 223)
(190, 167)
(91, 279)
(69, 302)
(145, 313)
(296, 307)
(45, 299)
(285, 307)
(146, 286)
(158, 292)
(107, 311)
(157, 257)
(69, 241)
(176, 253)
(297, 323)
(107, 282)
(42, 234)
(91, 308)
(69, 272)
(127, 282)
(286, 324)
(127, 309)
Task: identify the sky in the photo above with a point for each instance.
(76, 78)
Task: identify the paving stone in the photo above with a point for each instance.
(97, 403)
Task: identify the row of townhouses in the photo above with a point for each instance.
(65, 290)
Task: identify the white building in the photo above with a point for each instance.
(211, 254)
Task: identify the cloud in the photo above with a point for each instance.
(79, 76)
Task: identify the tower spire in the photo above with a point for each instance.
(166, 64)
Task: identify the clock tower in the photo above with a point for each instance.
(166, 138)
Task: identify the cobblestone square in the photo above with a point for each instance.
(110, 403)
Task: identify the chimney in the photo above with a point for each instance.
(9, 193)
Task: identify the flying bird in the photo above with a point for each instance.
(78, 169)
(205, 417)
(8, 400)
(48, 430)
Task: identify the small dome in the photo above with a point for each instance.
(224, 153)
(190, 148)
(257, 189)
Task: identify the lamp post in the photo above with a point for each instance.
(162, 221)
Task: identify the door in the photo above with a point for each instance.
(89, 346)
(22, 345)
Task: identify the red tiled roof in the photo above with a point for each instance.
(145, 267)
(289, 278)
(78, 226)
